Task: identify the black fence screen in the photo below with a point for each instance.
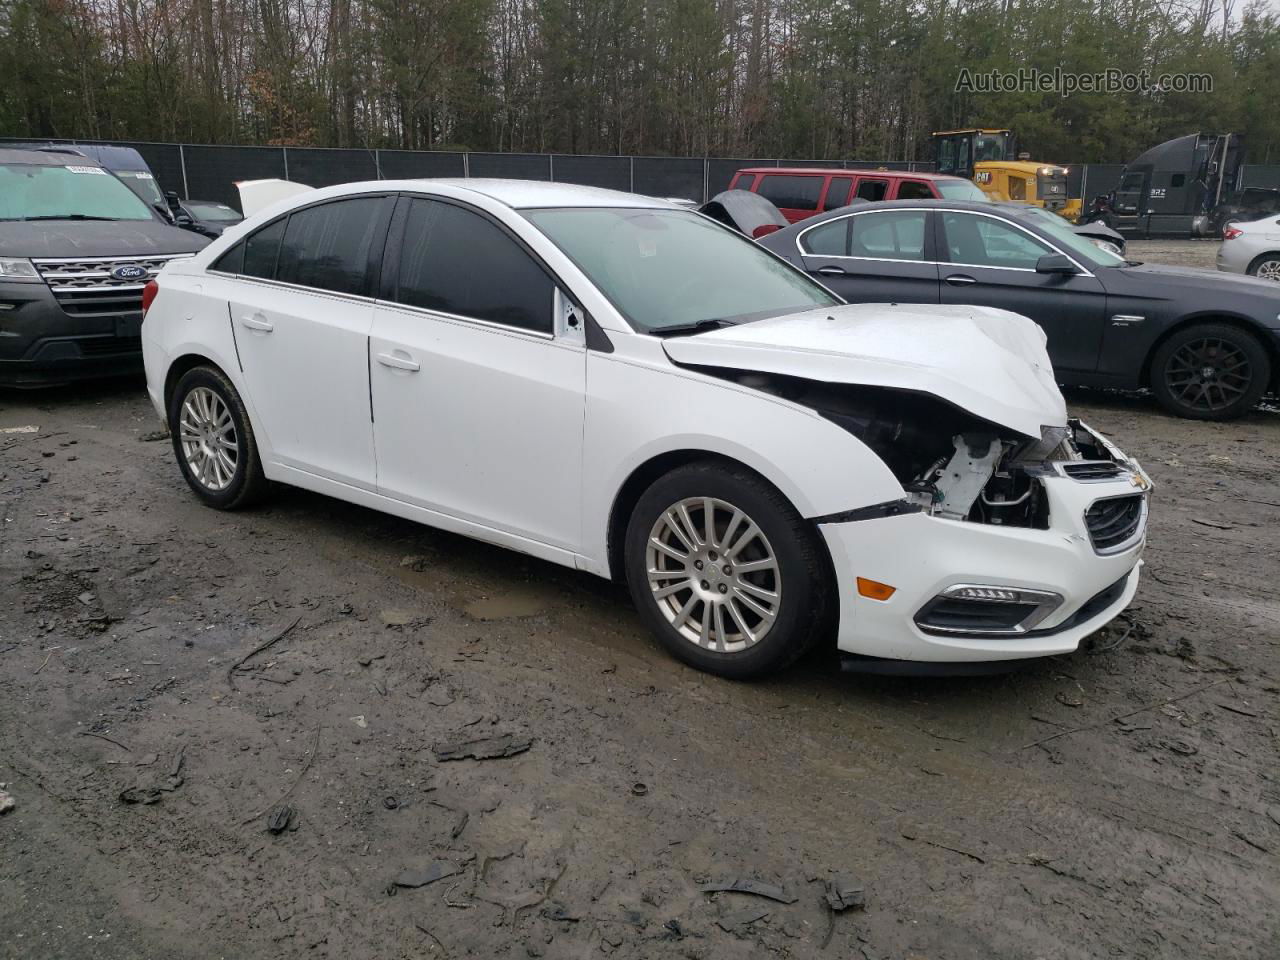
(205, 172)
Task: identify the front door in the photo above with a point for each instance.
(991, 262)
(477, 402)
(880, 256)
(301, 316)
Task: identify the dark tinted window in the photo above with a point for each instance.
(327, 247)
(795, 193)
(829, 240)
(873, 189)
(262, 249)
(458, 262)
(914, 190)
(232, 261)
(988, 242)
(1179, 179)
(838, 192)
(892, 235)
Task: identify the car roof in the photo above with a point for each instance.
(1013, 211)
(44, 157)
(825, 171)
(524, 194)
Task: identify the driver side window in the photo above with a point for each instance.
(981, 241)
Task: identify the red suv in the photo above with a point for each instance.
(800, 192)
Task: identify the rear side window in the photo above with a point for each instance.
(838, 192)
(742, 181)
(829, 240)
(230, 262)
(791, 192)
(456, 261)
(328, 247)
(262, 250)
(914, 190)
(873, 189)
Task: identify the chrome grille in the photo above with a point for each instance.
(1116, 522)
(84, 286)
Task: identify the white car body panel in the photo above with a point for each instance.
(1258, 238)
(990, 362)
(526, 440)
(258, 195)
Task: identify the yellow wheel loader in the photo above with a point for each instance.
(989, 158)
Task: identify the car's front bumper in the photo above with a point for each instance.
(41, 343)
(921, 556)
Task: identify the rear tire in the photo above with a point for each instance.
(1210, 371)
(213, 440)
(744, 602)
(1266, 267)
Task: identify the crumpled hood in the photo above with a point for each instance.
(989, 362)
(95, 238)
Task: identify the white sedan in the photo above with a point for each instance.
(622, 386)
(1252, 248)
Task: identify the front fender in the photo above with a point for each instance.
(819, 467)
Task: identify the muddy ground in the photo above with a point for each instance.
(1120, 802)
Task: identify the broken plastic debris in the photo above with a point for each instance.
(741, 918)
(843, 894)
(754, 887)
(279, 818)
(486, 748)
(7, 802)
(436, 870)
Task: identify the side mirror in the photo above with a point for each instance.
(1056, 263)
(164, 211)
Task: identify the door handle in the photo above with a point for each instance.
(257, 322)
(960, 280)
(399, 363)
(832, 271)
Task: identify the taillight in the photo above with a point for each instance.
(1231, 233)
(148, 295)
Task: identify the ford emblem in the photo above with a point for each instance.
(128, 271)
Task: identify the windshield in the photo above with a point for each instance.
(960, 190)
(988, 147)
(212, 211)
(1060, 232)
(143, 184)
(29, 191)
(665, 269)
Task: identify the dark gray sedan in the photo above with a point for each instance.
(1207, 344)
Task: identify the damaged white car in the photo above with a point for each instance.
(616, 384)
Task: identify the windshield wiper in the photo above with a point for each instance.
(68, 216)
(683, 328)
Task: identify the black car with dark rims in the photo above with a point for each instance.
(77, 248)
(1207, 344)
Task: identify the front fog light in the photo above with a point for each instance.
(14, 268)
(988, 610)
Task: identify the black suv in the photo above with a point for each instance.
(77, 247)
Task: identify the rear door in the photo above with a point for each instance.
(990, 261)
(795, 195)
(478, 398)
(874, 256)
(301, 315)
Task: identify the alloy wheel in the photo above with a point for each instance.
(1268, 270)
(209, 441)
(713, 574)
(1208, 374)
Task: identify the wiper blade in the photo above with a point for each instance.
(683, 328)
(69, 216)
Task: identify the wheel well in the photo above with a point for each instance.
(180, 366)
(1269, 255)
(1245, 326)
(639, 481)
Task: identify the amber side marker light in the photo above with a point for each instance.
(875, 590)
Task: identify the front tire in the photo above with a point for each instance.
(213, 440)
(1210, 371)
(724, 571)
(1266, 267)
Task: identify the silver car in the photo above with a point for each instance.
(1252, 248)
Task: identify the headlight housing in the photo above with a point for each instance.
(19, 269)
